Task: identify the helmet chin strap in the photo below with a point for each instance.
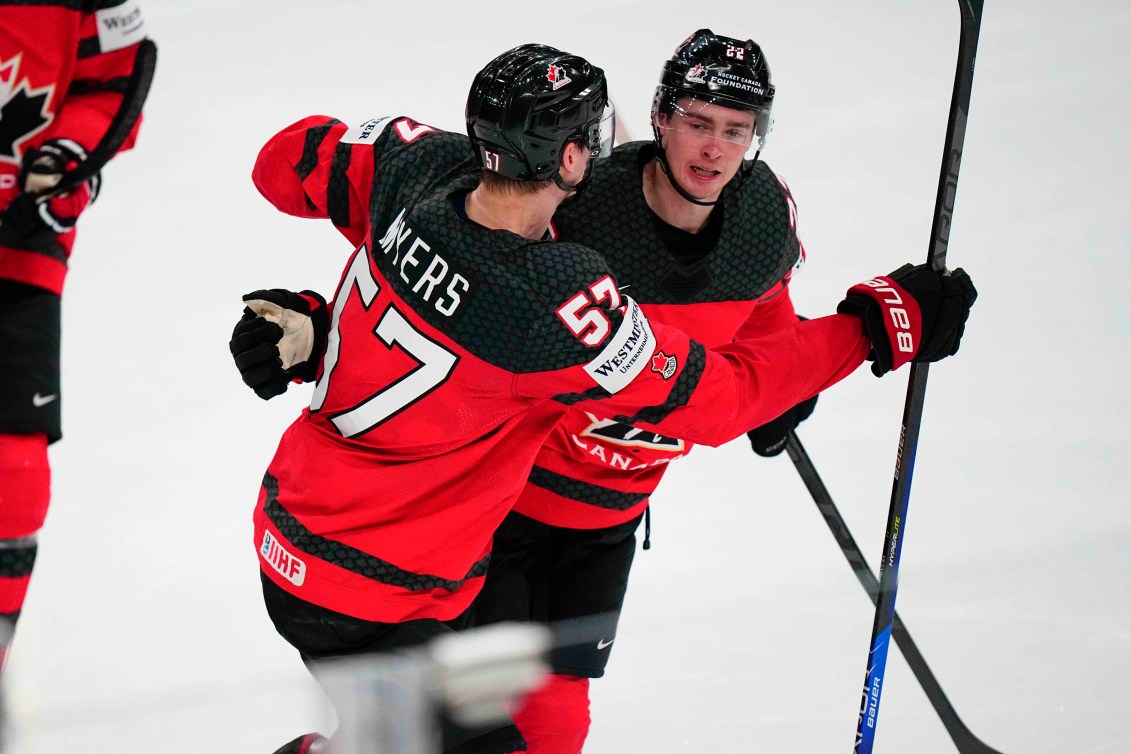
(675, 184)
(573, 188)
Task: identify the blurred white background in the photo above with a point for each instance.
(744, 630)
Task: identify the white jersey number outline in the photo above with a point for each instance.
(436, 362)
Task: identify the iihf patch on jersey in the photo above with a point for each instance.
(367, 132)
(664, 364)
(277, 556)
(627, 352)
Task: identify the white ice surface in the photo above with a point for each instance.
(744, 629)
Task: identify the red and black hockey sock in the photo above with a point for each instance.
(25, 489)
(554, 718)
(16, 560)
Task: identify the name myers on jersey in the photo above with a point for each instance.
(422, 269)
(627, 353)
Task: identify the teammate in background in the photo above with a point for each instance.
(704, 240)
(63, 68)
(459, 335)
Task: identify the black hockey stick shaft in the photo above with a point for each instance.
(965, 741)
(123, 122)
(971, 20)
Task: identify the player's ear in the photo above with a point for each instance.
(575, 159)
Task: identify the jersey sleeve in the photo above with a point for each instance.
(107, 49)
(771, 312)
(652, 375)
(318, 168)
(719, 394)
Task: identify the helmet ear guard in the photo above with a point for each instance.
(528, 103)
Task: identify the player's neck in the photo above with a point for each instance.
(528, 216)
(666, 202)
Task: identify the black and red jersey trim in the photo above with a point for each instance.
(350, 558)
(314, 139)
(681, 391)
(338, 187)
(575, 489)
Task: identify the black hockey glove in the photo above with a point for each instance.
(914, 314)
(768, 440)
(279, 339)
(37, 210)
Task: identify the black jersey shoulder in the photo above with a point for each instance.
(757, 243)
(494, 292)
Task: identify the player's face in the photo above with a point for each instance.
(705, 145)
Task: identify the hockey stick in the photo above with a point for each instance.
(971, 11)
(965, 741)
(133, 98)
(123, 122)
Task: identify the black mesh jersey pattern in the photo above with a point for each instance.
(757, 244)
(507, 317)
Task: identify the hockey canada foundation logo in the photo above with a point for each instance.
(696, 75)
(664, 365)
(291, 567)
(557, 76)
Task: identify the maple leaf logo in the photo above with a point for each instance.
(557, 75)
(23, 110)
(663, 364)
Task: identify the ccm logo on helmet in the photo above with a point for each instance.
(904, 340)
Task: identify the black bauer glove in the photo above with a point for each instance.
(768, 440)
(37, 211)
(914, 314)
(279, 339)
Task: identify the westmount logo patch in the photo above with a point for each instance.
(291, 567)
(627, 352)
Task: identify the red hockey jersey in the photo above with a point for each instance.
(594, 472)
(63, 67)
(453, 351)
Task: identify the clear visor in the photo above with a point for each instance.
(602, 134)
(700, 119)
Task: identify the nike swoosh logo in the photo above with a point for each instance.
(602, 644)
(38, 400)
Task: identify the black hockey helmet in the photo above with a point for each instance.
(719, 71)
(528, 103)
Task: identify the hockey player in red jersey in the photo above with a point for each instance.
(459, 335)
(704, 240)
(63, 66)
